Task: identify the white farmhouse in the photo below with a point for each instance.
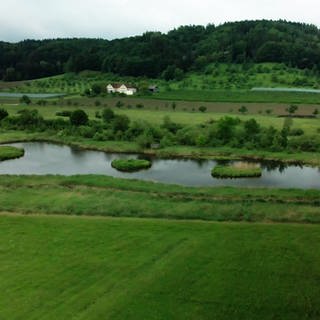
(121, 88)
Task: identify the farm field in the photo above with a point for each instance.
(151, 103)
(241, 96)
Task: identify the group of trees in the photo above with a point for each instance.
(227, 131)
(170, 55)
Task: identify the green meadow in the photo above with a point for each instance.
(96, 268)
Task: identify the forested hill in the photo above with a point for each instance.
(166, 55)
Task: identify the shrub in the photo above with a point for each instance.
(292, 109)
(29, 118)
(119, 104)
(3, 113)
(167, 140)
(121, 123)
(243, 109)
(25, 100)
(296, 132)
(78, 118)
(41, 102)
(202, 109)
(107, 115)
(145, 140)
(170, 125)
(305, 143)
(98, 136)
(87, 132)
(96, 89)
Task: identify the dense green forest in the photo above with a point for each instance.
(154, 54)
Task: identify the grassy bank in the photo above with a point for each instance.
(106, 196)
(224, 153)
(7, 153)
(146, 269)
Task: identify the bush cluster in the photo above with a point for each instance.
(227, 131)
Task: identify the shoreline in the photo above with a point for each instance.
(178, 152)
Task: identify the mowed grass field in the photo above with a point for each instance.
(101, 268)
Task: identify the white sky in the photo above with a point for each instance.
(38, 19)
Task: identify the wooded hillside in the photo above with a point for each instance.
(170, 55)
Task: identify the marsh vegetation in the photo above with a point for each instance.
(8, 152)
(237, 170)
(130, 165)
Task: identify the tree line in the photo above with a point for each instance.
(109, 126)
(170, 55)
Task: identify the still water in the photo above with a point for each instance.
(46, 158)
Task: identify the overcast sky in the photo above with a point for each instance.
(38, 19)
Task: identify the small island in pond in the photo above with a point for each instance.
(237, 170)
(8, 152)
(130, 165)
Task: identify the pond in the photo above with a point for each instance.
(45, 158)
(31, 95)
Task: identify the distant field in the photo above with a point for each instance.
(184, 115)
(151, 103)
(82, 268)
(241, 96)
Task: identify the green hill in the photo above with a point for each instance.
(169, 56)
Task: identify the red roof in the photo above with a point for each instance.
(118, 85)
